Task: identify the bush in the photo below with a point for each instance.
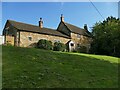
(59, 46)
(82, 49)
(44, 44)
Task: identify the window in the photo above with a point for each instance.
(72, 44)
(78, 35)
(30, 38)
(78, 45)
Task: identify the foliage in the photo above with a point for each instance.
(44, 44)
(37, 68)
(106, 39)
(59, 46)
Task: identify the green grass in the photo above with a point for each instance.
(35, 68)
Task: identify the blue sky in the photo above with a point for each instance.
(76, 13)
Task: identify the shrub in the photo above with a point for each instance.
(59, 46)
(44, 44)
(82, 49)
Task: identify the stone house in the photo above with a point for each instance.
(26, 35)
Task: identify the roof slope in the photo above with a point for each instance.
(36, 29)
(77, 30)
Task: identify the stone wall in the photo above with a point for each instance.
(28, 39)
(9, 40)
(10, 34)
(81, 40)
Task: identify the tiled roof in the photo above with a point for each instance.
(36, 29)
(77, 30)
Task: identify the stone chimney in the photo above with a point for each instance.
(85, 27)
(41, 23)
(62, 18)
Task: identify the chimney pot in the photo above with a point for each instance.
(41, 23)
(62, 18)
(85, 27)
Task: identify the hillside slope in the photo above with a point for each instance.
(35, 68)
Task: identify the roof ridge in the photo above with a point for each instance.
(29, 24)
(49, 28)
(73, 25)
(22, 23)
(75, 29)
(36, 29)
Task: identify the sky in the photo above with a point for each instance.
(76, 13)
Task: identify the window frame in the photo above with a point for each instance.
(29, 38)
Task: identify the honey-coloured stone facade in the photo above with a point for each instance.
(27, 39)
(80, 39)
(27, 35)
(10, 40)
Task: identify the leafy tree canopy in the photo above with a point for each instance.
(106, 37)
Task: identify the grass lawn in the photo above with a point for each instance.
(36, 68)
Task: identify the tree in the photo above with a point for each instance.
(106, 37)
